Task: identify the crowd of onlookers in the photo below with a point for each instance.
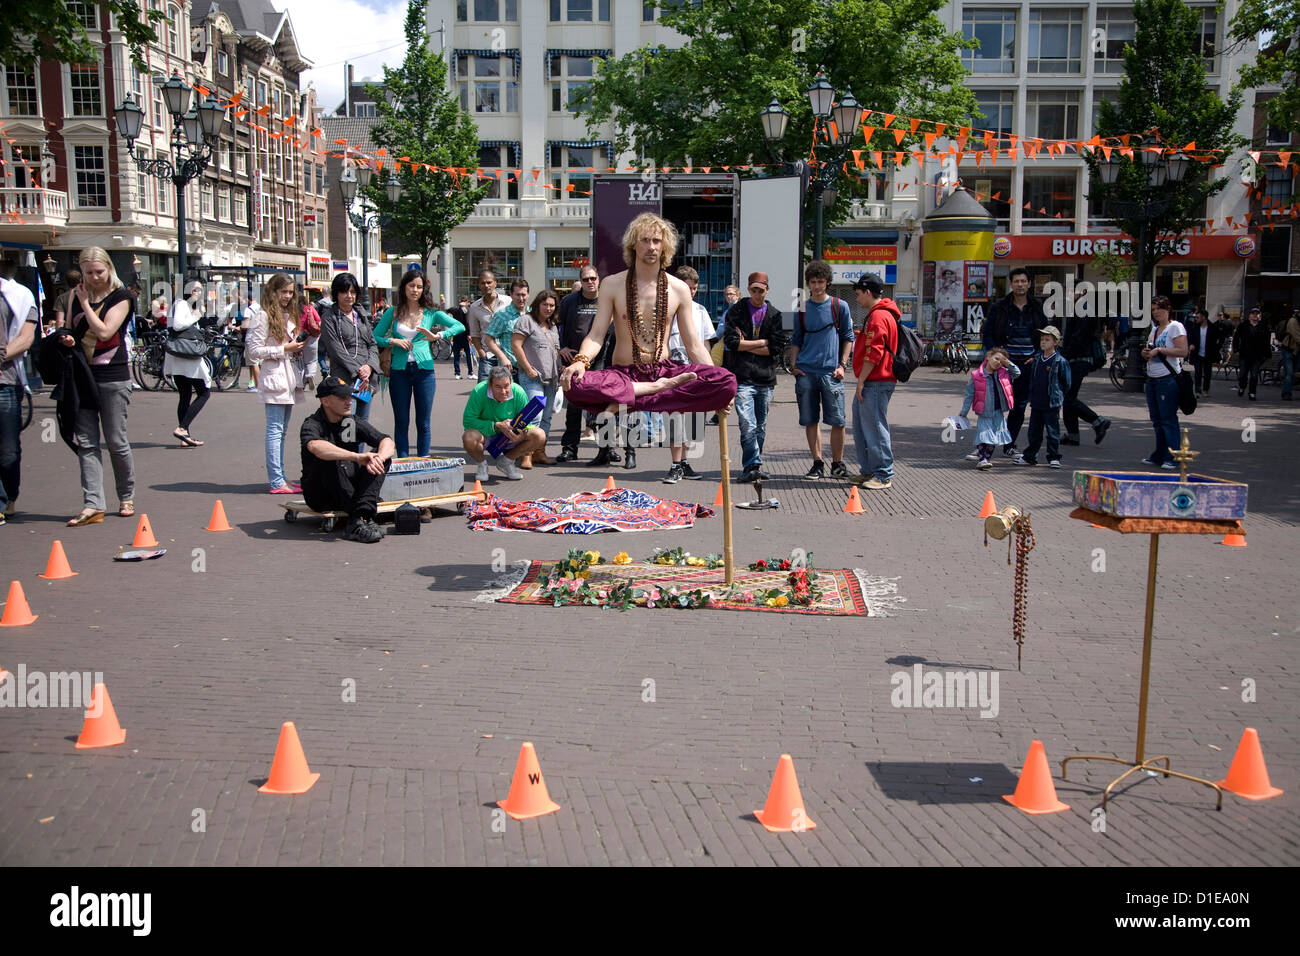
(518, 344)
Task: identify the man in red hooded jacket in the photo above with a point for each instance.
(873, 364)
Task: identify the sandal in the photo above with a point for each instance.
(126, 509)
(186, 439)
(87, 516)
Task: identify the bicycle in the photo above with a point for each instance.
(955, 354)
(226, 361)
(147, 360)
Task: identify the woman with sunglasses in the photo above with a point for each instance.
(407, 328)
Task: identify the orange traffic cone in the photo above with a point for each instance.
(218, 520)
(717, 499)
(990, 506)
(144, 534)
(478, 487)
(528, 795)
(784, 812)
(1248, 777)
(101, 728)
(1035, 793)
(1234, 540)
(854, 505)
(609, 484)
(56, 569)
(17, 613)
(289, 770)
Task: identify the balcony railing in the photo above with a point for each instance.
(573, 209)
(36, 207)
(495, 210)
(866, 209)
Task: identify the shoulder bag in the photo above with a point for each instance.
(188, 343)
(1186, 388)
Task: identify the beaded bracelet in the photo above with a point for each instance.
(586, 362)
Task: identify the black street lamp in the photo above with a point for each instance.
(356, 176)
(1160, 169)
(846, 117)
(194, 134)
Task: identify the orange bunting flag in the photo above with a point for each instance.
(889, 119)
(915, 123)
(867, 133)
(939, 128)
(857, 159)
(929, 139)
(898, 137)
(879, 158)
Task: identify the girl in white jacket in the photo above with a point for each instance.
(273, 341)
(190, 374)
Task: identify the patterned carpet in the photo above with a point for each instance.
(586, 513)
(842, 592)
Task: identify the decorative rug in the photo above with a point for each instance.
(586, 513)
(841, 590)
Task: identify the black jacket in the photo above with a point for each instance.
(750, 368)
(1080, 332)
(1212, 340)
(348, 347)
(1251, 342)
(1009, 327)
(77, 388)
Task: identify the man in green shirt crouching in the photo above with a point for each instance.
(491, 407)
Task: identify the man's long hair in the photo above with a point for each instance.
(648, 224)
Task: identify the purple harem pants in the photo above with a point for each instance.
(713, 390)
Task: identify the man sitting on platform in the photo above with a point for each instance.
(642, 302)
(492, 406)
(337, 477)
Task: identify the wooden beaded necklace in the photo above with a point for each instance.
(639, 327)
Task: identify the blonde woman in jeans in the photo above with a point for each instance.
(97, 309)
(273, 341)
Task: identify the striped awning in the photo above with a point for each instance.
(516, 149)
(583, 144)
(489, 54)
(603, 54)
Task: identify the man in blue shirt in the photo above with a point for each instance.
(498, 336)
(820, 349)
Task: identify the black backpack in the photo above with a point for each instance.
(910, 352)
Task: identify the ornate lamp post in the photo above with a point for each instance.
(367, 217)
(1160, 169)
(846, 115)
(194, 134)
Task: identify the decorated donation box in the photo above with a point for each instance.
(1139, 495)
(422, 478)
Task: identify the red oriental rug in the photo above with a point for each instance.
(842, 592)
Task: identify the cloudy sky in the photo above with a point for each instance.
(366, 33)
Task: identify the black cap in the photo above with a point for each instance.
(870, 283)
(334, 386)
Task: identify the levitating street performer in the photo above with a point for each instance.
(642, 301)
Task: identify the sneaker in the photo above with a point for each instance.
(481, 472)
(1147, 461)
(838, 470)
(251, 387)
(1253, 398)
(761, 475)
(1100, 428)
(1054, 463)
(509, 469)
(458, 378)
(1022, 460)
(973, 456)
(364, 531)
(1009, 451)
(1169, 466)
(875, 484)
(1069, 439)
(984, 464)
(689, 473)
(818, 470)
(1241, 392)
(675, 474)
(748, 476)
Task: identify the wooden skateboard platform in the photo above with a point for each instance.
(455, 501)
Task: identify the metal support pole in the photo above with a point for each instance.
(180, 232)
(1152, 559)
(1134, 376)
(365, 266)
(817, 198)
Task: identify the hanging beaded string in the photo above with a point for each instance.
(638, 324)
(1024, 544)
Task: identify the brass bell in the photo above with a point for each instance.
(998, 526)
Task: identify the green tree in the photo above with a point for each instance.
(1164, 96)
(421, 123)
(703, 100)
(61, 35)
(1276, 25)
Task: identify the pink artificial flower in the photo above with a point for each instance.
(748, 595)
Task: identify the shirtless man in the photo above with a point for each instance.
(640, 376)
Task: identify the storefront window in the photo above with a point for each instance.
(506, 263)
(1051, 198)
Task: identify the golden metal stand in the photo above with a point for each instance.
(1140, 762)
(728, 562)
